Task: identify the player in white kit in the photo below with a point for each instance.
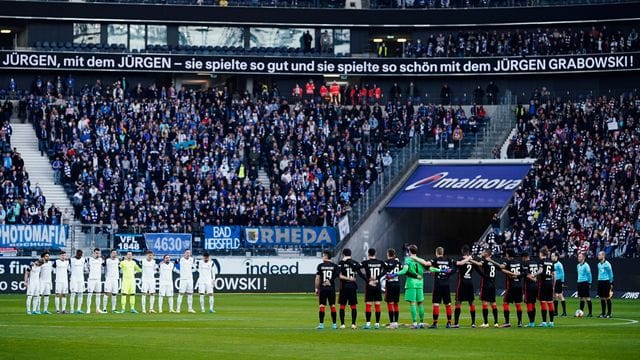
(166, 283)
(206, 279)
(185, 266)
(94, 282)
(76, 285)
(32, 281)
(61, 266)
(45, 281)
(111, 281)
(149, 268)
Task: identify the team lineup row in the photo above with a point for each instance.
(528, 280)
(70, 278)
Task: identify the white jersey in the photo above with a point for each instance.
(206, 271)
(34, 274)
(95, 268)
(149, 268)
(186, 268)
(45, 272)
(166, 273)
(113, 269)
(62, 271)
(77, 269)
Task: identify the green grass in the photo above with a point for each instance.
(281, 326)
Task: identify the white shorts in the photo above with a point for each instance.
(76, 286)
(111, 286)
(94, 286)
(34, 288)
(45, 288)
(186, 286)
(205, 287)
(166, 290)
(62, 287)
(149, 286)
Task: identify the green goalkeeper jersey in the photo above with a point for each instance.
(129, 269)
(412, 268)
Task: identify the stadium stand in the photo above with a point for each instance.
(582, 194)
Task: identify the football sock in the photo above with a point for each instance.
(190, 301)
(105, 300)
(396, 310)
(519, 312)
(64, 303)
(333, 314)
(72, 302)
(485, 313)
(448, 310)
(494, 309)
(590, 306)
(132, 301)
(160, 301)
(505, 309)
(342, 307)
(152, 301)
(114, 301)
(391, 311)
(456, 315)
(46, 303)
(144, 302)
(531, 312)
(89, 298)
(354, 314)
(321, 314)
(202, 302)
(552, 311)
(79, 301)
(543, 311)
(57, 302)
(29, 301)
(211, 302)
(603, 305)
(414, 312)
(564, 306)
(472, 308)
(367, 312)
(421, 313)
(98, 298)
(608, 306)
(436, 313)
(377, 308)
(555, 307)
(179, 302)
(582, 305)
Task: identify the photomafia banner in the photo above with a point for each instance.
(33, 236)
(240, 64)
(460, 186)
(269, 236)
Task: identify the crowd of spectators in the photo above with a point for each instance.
(582, 193)
(172, 159)
(517, 42)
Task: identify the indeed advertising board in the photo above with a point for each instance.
(460, 186)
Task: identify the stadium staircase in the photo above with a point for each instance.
(25, 141)
(263, 177)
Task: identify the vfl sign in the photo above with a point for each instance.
(129, 242)
(221, 237)
(451, 186)
(303, 236)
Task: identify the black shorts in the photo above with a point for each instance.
(372, 293)
(558, 287)
(348, 295)
(513, 295)
(488, 292)
(545, 292)
(604, 289)
(465, 292)
(327, 295)
(531, 294)
(392, 292)
(441, 294)
(584, 289)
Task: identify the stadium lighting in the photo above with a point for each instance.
(377, 40)
(401, 40)
(5, 31)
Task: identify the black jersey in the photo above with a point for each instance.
(442, 263)
(328, 272)
(392, 266)
(349, 268)
(489, 271)
(373, 269)
(546, 276)
(514, 266)
(464, 272)
(531, 267)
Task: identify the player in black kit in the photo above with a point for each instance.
(349, 268)
(464, 289)
(372, 270)
(392, 288)
(441, 288)
(513, 294)
(531, 268)
(488, 270)
(326, 275)
(546, 280)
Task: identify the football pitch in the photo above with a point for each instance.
(282, 326)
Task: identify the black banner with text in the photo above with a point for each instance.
(170, 63)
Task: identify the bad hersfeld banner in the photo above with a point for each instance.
(239, 64)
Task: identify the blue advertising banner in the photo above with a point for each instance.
(294, 235)
(129, 242)
(221, 237)
(167, 243)
(460, 186)
(34, 236)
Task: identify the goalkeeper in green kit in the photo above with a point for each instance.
(129, 268)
